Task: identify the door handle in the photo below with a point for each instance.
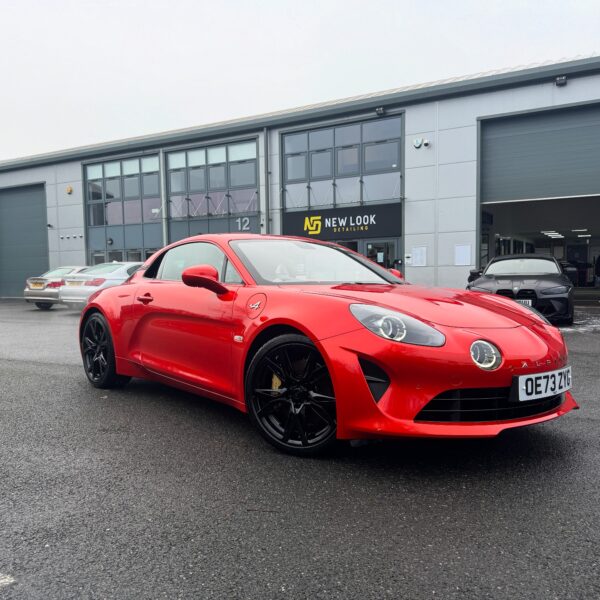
(145, 299)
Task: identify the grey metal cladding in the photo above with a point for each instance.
(23, 237)
(548, 154)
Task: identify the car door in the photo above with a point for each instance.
(183, 332)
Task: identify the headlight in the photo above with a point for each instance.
(396, 326)
(559, 289)
(485, 355)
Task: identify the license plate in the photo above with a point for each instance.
(72, 283)
(526, 302)
(543, 385)
(36, 286)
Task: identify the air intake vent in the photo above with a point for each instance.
(376, 377)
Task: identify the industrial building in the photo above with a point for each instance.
(433, 179)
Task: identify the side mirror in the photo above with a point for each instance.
(475, 274)
(396, 273)
(204, 276)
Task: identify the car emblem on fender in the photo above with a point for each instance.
(254, 306)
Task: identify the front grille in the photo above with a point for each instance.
(376, 378)
(521, 294)
(478, 405)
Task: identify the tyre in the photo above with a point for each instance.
(290, 397)
(98, 354)
(44, 305)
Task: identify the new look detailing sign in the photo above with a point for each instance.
(384, 220)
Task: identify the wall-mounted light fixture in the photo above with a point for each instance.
(69, 189)
(380, 111)
(110, 241)
(49, 226)
(560, 81)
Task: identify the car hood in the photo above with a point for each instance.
(442, 306)
(509, 282)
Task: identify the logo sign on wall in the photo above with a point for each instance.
(383, 220)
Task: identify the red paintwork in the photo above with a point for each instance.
(184, 337)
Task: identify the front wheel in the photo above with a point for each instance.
(290, 397)
(44, 305)
(98, 354)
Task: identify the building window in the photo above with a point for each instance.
(349, 164)
(214, 181)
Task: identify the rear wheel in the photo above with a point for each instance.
(290, 396)
(98, 354)
(44, 305)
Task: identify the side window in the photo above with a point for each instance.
(132, 270)
(231, 275)
(178, 259)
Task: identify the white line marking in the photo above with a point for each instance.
(6, 580)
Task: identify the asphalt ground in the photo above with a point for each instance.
(148, 492)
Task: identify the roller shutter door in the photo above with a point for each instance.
(23, 237)
(549, 154)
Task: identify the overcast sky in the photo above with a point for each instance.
(75, 72)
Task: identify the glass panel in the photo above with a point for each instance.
(382, 157)
(151, 209)
(297, 142)
(94, 171)
(96, 214)
(134, 255)
(347, 135)
(217, 155)
(131, 186)
(231, 275)
(114, 213)
(321, 192)
(217, 203)
(296, 196)
(197, 205)
(244, 151)
(320, 164)
(115, 255)
(112, 187)
(241, 201)
(196, 158)
(98, 258)
(131, 167)
(347, 190)
(384, 129)
(385, 186)
(176, 181)
(132, 210)
(242, 174)
(150, 183)
(178, 259)
(95, 190)
(347, 161)
(176, 160)
(197, 180)
(295, 167)
(178, 207)
(149, 164)
(322, 138)
(112, 169)
(216, 177)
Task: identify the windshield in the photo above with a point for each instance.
(293, 261)
(58, 272)
(103, 268)
(523, 266)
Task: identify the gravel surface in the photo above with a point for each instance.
(148, 492)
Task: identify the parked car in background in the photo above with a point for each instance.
(535, 280)
(78, 288)
(43, 290)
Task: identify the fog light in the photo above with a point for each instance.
(485, 355)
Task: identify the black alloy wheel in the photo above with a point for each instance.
(44, 305)
(98, 354)
(290, 396)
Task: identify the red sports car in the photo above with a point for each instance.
(318, 343)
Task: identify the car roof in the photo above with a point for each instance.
(509, 256)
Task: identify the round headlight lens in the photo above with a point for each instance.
(393, 328)
(485, 355)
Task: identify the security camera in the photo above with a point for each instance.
(426, 143)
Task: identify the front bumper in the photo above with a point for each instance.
(46, 295)
(419, 374)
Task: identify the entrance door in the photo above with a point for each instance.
(383, 252)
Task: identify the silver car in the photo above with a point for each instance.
(43, 290)
(78, 288)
